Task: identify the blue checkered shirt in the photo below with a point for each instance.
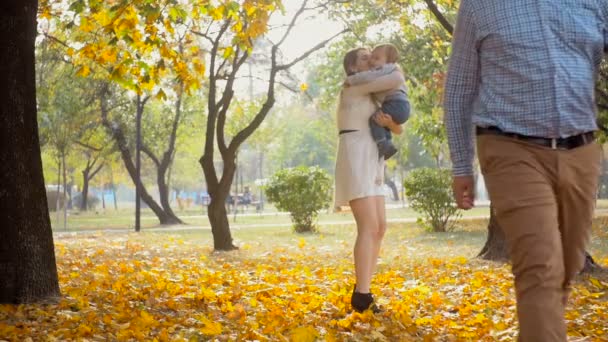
(524, 66)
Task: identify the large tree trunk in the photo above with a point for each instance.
(496, 247)
(27, 258)
(220, 227)
(216, 211)
(125, 154)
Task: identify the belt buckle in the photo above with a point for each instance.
(554, 144)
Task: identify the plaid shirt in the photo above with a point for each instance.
(524, 66)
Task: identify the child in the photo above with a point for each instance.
(394, 102)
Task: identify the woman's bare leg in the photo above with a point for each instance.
(365, 212)
(381, 223)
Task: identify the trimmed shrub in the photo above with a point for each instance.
(301, 191)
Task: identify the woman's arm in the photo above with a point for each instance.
(391, 81)
(370, 75)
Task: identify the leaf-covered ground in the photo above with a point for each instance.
(281, 287)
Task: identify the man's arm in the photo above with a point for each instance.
(370, 75)
(461, 89)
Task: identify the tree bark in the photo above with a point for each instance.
(57, 199)
(220, 227)
(87, 175)
(84, 203)
(28, 271)
(496, 247)
(216, 212)
(138, 185)
(113, 189)
(391, 184)
(125, 153)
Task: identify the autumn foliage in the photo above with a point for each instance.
(159, 287)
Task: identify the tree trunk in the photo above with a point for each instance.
(85, 189)
(103, 199)
(125, 154)
(590, 264)
(57, 198)
(87, 174)
(391, 184)
(216, 211)
(27, 258)
(113, 189)
(114, 197)
(496, 247)
(220, 227)
(139, 183)
(65, 198)
(163, 190)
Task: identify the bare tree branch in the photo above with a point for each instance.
(56, 40)
(227, 98)
(145, 149)
(87, 146)
(293, 22)
(439, 16)
(96, 171)
(207, 158)
(310, 51)
(203, 35)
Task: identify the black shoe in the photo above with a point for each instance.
(386, 149)
(363, 301)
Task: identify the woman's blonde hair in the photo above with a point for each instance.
(391, 52)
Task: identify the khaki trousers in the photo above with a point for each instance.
(544, 201)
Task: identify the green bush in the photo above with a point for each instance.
(429, 192)
(301, 191)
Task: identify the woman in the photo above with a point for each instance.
(360, 170)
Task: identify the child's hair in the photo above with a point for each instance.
(392, 54)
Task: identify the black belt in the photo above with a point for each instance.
(556, 144)
(344, 131)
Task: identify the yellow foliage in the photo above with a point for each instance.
(84, 71)
(304, 334)
(130, 288)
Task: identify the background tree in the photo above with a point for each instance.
(142, 47)
(27, 257)
(230, 39)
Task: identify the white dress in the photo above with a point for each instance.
(359, 169)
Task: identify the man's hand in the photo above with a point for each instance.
(464, 191)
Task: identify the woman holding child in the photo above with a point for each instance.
(373, 81)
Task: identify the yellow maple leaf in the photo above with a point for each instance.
(84, 71)
(210, 327)
(304, 334)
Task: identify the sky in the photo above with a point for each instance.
(311, 29)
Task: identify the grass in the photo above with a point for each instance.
(124, 218)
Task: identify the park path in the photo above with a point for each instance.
(236, 226)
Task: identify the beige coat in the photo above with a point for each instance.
(359, 168)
